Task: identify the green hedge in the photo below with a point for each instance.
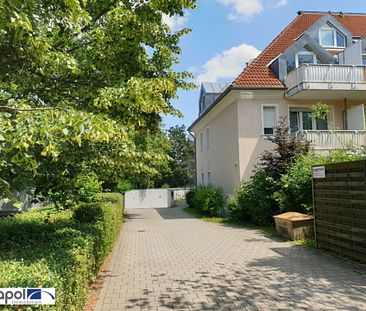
(48, 248)
(207, 199)
(254, 200)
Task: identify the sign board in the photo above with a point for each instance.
(318, 172)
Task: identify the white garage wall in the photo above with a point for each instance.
(153, 198)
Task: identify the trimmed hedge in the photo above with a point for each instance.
(48, 248)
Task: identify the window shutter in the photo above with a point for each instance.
(269, 119)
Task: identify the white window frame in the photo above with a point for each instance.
(203, 178)
(207, 138)
(277, 118)
(201, 141)
(209, 181)
(304, 53)
(335, 31)
(331, 116)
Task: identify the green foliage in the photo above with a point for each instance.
(180, 170)
(114, 198)
(88, 213)
(87, 186)
(84, 84)
(253, 201)
(190, 196)
(45, 248)
(123, 186)
(309, 243)
(295, 193)
(276, 162)
(320, 110)
(207, 199)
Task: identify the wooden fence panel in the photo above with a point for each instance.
(340, 209)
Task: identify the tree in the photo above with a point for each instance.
(276, 162)
(180, 171)
(79, 81)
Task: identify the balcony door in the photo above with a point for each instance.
(356, 117)
(302, 120)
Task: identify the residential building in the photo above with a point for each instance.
(319, 56)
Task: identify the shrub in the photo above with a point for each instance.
(123, 186)
(253, 200)
(114, 198)
(208, 199)
(286, 147)
(189, 197)
(214, 202)
(88, 213)
(295, 193)
(42, 248)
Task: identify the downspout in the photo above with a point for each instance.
(195, 158)
(345, 121)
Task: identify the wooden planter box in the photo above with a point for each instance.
(295, 226)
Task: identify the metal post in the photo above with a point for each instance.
(313, 191)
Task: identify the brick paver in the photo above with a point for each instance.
(165, 259)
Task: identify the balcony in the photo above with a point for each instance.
(325, 141)
(310, 81)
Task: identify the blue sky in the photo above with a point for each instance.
(228, 33)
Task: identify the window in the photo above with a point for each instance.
(209, 178)
(305, 58)
(201, 141)
(302, 120)
(207, 138)
(202, 178)
(269, 119)
(329, 37)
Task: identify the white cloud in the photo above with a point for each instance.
(280, 3)
(175, 22)
(227, 64)
(245, 9)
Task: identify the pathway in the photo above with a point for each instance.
(167, 260)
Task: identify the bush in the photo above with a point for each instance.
(286, 147)
(88, 213)
(207, 199)
(123, 186)
(295, 193)
(215, 202)
(253, 200)
(114, 198)
(44, 248)
(189, 197)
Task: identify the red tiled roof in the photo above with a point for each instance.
(258, 75)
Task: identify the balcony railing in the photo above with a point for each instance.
(324, 141)
(327, 74)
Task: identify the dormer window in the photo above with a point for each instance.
(331, 38)
(305, 58)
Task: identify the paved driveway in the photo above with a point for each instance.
(165, 260)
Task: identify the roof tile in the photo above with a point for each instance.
(258, 75)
